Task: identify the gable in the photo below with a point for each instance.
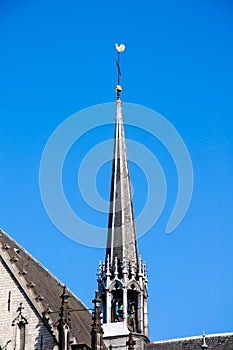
(37, 335)
(43, 290)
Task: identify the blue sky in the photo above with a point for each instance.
(57, 58)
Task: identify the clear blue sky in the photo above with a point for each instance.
(57, 58)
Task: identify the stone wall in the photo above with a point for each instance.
(11, 295)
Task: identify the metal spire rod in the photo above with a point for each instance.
(118, 68)
(120, 48)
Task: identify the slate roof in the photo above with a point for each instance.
(44, 290)
(222, 341)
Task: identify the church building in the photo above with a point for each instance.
(39, 313)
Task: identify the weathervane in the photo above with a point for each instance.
(120, 48)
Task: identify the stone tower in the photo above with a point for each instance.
(122, 277)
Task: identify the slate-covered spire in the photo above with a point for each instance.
(121, 243)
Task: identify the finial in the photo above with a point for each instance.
(100, 270)
(20, 319)
(140, 265)
(133, 268)
(120, 48)
(64, 309)
(116, 267)
(204, 345)
(108, 266)
(96, 330)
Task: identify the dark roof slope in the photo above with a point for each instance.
(223, 341)
(43, 289)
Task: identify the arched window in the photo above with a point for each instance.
(117, 306)
(117, 312)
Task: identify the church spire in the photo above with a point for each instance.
(122, 278)
(121, 243)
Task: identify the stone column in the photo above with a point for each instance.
(140, 313)
(125, 305)
(108, 306)
(146, 331)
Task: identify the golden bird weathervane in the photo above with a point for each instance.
(120, 48)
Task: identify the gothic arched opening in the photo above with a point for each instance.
(132, 310)
(117, 305)
(103, 307)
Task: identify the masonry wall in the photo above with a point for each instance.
(119, 342)
(37, 336)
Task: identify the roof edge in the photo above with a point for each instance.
(13, 270)
(42, 266)
(192, 337)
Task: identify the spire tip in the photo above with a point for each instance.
(120, 48)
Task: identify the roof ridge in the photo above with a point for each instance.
(193, 337)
